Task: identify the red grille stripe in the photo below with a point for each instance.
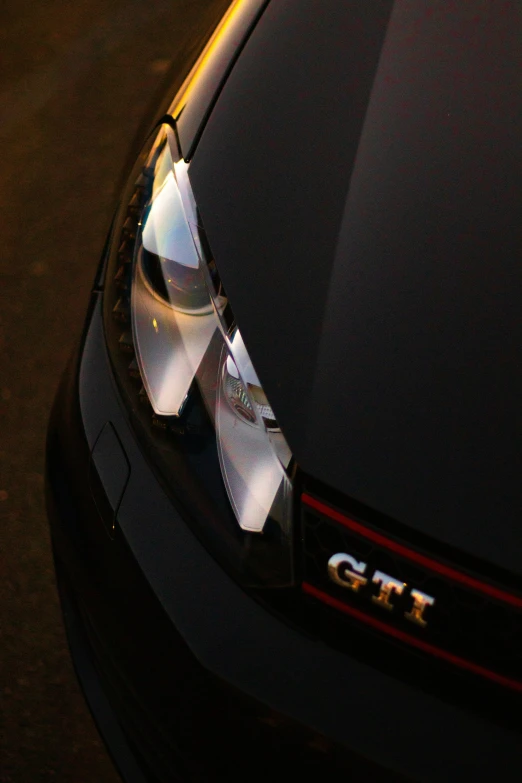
(427, 562)
(411, 640)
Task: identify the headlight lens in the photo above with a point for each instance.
(197, 376)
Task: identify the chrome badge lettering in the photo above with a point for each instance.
(346, 571)
(388, 586)
(420, 602)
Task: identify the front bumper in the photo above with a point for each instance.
(189, 676)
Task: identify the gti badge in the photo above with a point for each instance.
(348, 572)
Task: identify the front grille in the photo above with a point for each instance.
(474, 625)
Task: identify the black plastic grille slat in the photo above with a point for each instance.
(464, 622)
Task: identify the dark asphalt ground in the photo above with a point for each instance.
(76, 80)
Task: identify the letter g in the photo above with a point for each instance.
(346, 571)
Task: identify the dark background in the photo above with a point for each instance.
(78, 81)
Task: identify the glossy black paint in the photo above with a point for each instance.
(359, 182)
(226, 48)
(164, 621)
(188, 674)
(178, 648)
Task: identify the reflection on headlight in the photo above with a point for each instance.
(252, 472)
(170, 345)
(178, 317)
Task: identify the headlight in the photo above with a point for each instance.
(206, 420)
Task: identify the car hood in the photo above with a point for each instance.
(359, 182)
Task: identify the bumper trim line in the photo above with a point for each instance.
(416, 557)
(401, 636)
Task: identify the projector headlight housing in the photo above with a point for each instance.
(184, 371)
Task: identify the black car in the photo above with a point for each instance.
(284, 465)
